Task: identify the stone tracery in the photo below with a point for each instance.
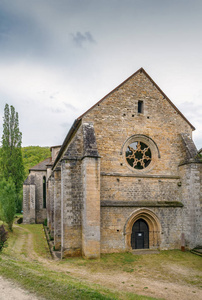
(138, 155)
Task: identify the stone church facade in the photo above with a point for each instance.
(127, 176)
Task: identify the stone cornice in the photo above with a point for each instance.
(113, 203)
(140, 175)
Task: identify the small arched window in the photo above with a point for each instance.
(44, 192)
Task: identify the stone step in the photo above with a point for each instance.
(145, 251)
(197, 251)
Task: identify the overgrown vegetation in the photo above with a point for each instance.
(3, 237)
(7, 202)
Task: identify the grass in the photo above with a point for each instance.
(31, 274)
(50, 284)
(22, 261)
(18, 215)
(39, 239)
(115, 261)
(157, 265)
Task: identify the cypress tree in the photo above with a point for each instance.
(11, 154)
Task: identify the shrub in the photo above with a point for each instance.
(7, 202)
(3, 237)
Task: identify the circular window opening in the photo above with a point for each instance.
(138, 155)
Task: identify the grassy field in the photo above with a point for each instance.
(27, 261)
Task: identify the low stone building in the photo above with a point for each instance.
(127, 176)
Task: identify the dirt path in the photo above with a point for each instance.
(124, 281)
(141, 282)
(10, 291)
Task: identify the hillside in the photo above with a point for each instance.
(32, 155)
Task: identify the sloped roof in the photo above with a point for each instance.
(141, 70)
(42, 166)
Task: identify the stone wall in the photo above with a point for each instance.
(29, 200)
(57, 208)
(131, 188)
(191, 198)
(33, 210)
(115, 120)
(71, 197)
(40, 210)
(91, 194)
(102, 196)
(114, 220)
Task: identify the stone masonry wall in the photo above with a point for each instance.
(115, 120)
(57, 209)
(50, 204)
(71, 197)
(29, 197)
(38, 180)
(34, 212)
(113, 220)
(91, 194)
(200, 232)
(120, 188)
(191, 198)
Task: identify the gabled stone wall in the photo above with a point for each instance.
(95, 195)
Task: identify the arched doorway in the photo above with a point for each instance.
(140, 235)
(142, 230)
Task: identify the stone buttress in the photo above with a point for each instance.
(91, 194)
(190, 171)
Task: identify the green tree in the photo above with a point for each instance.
(7, 202)
(32, 155)
(11, 154)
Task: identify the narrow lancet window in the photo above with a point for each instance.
(140, 107)
(44, 192)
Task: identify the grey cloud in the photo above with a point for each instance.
(55, 110)
(54, 95)
(70, 106)
(80, 38)
(21, 34)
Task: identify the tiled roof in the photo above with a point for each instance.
(42, 166)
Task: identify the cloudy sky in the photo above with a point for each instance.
(57, 58)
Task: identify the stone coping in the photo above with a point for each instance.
(140, 175)
(113, 203)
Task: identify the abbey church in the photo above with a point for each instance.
(127, 176)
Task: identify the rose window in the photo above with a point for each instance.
(138, 155)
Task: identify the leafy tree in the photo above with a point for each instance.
(32, 155)
(11, 154)
(7, 202)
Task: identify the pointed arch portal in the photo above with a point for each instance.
(142, 230)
